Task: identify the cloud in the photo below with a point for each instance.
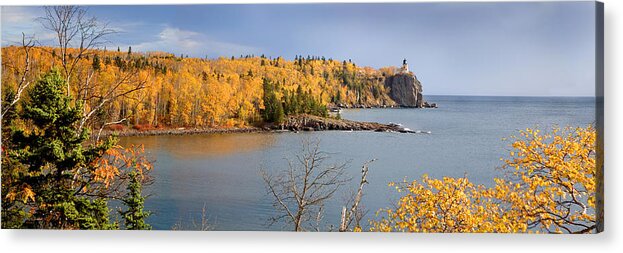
(17, 15)
(17, 20)
(176, 40)
(141, 36)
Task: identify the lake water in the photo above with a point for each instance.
(221, 171)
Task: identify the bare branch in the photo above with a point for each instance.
(99, 133)
(355, 214)
(27, 44)
(113, 93)
(74, 29)
(301, 190)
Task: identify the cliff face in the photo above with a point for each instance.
(405, 90)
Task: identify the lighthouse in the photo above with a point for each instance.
(405, 67)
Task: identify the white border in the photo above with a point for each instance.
(165, 241)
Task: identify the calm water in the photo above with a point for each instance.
(221, 172)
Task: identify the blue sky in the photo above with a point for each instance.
(528, 49)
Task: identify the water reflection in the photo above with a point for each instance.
(222, 170)
(202, 146)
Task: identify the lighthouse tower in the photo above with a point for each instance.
(405, 67)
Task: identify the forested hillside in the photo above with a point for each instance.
(157, 89)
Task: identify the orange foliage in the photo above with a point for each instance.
(144, 127)
(115, 127)
(197, 92)
(117, 160)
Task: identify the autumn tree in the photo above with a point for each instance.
(551, 180)
(449, 205)
(78, 35)
(51, 177)
(549, 186)
(14, 96)
(159, 89)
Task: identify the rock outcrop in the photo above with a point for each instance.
(405, 90)
(305, 122)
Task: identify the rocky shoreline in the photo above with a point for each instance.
(425, 104)
(181, 131)
(303, 122)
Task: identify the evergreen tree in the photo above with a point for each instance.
(13, 214)
(96, 63)
(294, 104)
(338, 97)
(273, 109)
(134, 217)
(119, 63)
(46, 160)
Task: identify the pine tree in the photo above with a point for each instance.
(134, 217)
(96, 63)
(273, 109)
(47, 159)
(13, 214)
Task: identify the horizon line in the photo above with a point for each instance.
(543, 96)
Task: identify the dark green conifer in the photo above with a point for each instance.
(134, 217)
(50, 160)
(96, 63)
(273, 109)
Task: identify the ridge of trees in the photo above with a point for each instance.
(161, 89)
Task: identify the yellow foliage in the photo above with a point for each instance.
(24, 193)
(549, 187)
(449, 205)
(193, 91)
(555, 179)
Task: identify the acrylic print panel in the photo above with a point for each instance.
(410, 117)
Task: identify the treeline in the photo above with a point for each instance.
(291, 103)
(161, 89)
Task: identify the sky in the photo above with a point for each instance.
(507, 49)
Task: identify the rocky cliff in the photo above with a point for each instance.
(405, 90)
